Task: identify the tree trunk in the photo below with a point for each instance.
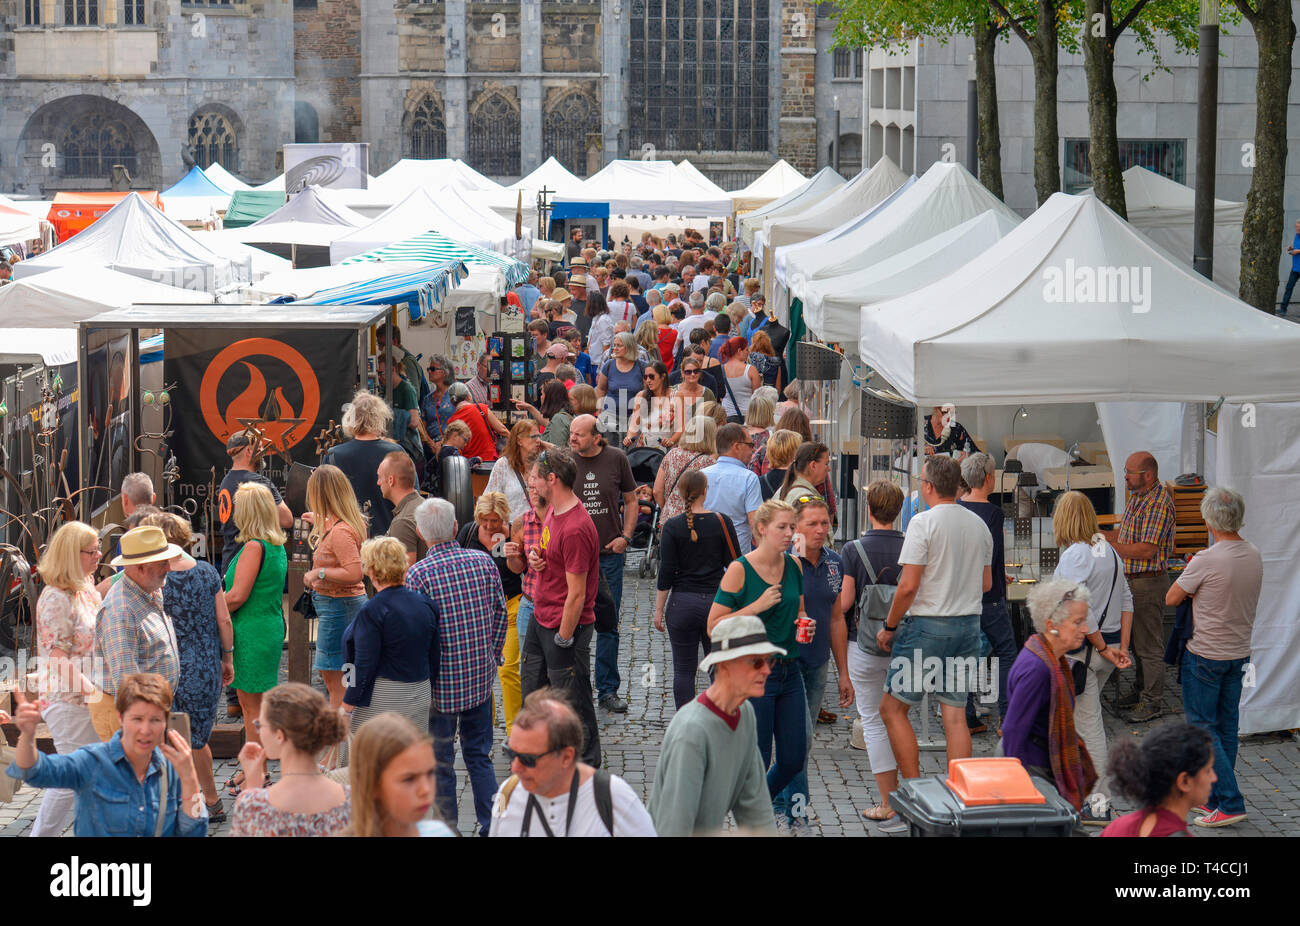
(1044, 51)
(986, 97)
(1103, 137)
(1262, 230)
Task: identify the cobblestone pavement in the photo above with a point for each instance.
(840, 781)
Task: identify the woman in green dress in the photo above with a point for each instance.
(255, 596)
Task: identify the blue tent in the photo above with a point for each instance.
(195, 183)
(422, 289)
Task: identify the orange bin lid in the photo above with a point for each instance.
(992, 780)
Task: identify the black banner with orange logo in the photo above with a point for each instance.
(290, 385)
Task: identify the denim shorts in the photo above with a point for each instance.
(935, 655)
(332, 618)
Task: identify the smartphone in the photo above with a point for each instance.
(180, 722)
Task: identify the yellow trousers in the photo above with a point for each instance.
(512, 692)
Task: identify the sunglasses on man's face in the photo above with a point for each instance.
(758, 662)
(527, 760)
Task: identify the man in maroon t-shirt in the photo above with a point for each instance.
(557, 649)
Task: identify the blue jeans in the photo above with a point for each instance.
(1211, 697)
(782, 713)
(522, 620)
(607, 678)
(995, 624)
(814, 683)
(1286, 295)
(333, 615)
(475, 727)
(950, 645)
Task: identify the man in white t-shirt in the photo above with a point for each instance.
(695, 319)
(947, 561)
(551, 793)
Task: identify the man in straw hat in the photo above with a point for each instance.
(132, 634)
(709, 763)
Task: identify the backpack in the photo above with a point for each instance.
(599, 785)
(874, 602)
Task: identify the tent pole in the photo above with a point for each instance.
(1200, 439)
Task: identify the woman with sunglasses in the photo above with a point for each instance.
(768, 582)
(692, 390)
(438, 407)
(654, 414)
(1039, 726)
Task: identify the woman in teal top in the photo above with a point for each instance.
(255, 597)
(769, 583)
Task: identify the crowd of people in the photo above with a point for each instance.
(666, 349)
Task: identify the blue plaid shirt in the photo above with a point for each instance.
(466, 587)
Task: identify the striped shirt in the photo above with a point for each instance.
(532, 537)
(132, 634)
(466, 587)
(1149, 518)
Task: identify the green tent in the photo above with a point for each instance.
(247, 206)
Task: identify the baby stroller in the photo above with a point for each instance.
(644, 548)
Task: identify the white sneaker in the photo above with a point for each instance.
(783, 826)
(856, 739)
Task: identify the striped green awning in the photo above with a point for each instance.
(435, 247)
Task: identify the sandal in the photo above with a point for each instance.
(216, 812)
(826, 716)
(235, 784)
(879, 813)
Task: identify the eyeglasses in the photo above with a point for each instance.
(758, 662)
(527, 760)
(691, 372)
(92, 552)
(745, 443)
(257, 723)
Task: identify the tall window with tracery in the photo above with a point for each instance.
(81, 12)
(92, 146)
(31, 12)
(428, 135)
(133, 12)
(698, 75)
(565, 128)
(213, 139)
(494, 137)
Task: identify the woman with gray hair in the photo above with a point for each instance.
(438, 407)
(1223, 583)
(483, 424)
(366, 420)
(1038, 728)
(619, 380)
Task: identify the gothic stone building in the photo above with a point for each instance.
(155, 84)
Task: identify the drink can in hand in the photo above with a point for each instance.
(803, 629)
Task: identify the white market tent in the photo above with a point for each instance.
(51, 346)
(1028, 322)
(551, 174)
(431, 174)
(62, 297)
(648, 188)
(816, 188)
(136, 238)
(946, 196)
(485, 225)
(224, 179)
(772, 184)
(409, 217)
(1164, 211)
(694, 173)
(263, 262)
(17, 226)
(831, 307)
(305, 220)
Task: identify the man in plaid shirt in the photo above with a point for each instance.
(1145, 541)
(466, 587)
(132, 634)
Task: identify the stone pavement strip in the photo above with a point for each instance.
(840, 781)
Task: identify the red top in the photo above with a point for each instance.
(1167, 823)
(731, 720)
(667, 341)
(480, 444)
(569, 544)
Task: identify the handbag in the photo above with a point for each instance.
(306, 605)
(103, 714)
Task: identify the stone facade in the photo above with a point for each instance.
(797, 126)
(327, 67)
(494, 37)
(570, 37)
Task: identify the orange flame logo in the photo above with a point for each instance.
(270, 408)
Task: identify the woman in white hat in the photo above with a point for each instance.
(709, 764)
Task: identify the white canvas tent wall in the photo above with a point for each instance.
(815, 189)
(403, 220)
(431, 174)
(648, 188)
(484, 224)
(262, 262)
(62, 297)
(136, 238)
(551, 174)
(772, 184)
(700, 179)
(17, 226)
(224, 178)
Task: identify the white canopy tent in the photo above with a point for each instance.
(551, 175)
(831, 306)
(134, 237)
(306, 220)
(225, 179)
(263, 262)
(483, 225)
(700, 179)
(62, 297)
(648, 188)
(17, 226)
(51, 346)
(775, 182)
(816, 188)
(431, 174)
(409, 217)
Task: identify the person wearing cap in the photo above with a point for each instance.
(556, 354)
(709, 764)
(245, 459)
(132, 632)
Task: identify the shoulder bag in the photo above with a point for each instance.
(1079, 668)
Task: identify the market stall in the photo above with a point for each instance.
(195, 199)
(71, 213)
(816, 188)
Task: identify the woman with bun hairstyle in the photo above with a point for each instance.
(1169, 773)
(296, 725)
(392, 780)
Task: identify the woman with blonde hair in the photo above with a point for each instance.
(759, 421)
(296, 724)
(712, 410)
(392, 780)
(205, 644)
(768, 582)
(486, 533)
(778, 455)
(393, 642)
(583, 400)
(696, 450)
(366, 420)
(254, 595)
(65, 644)
(337, 592)
(665, 334)
(510, 470)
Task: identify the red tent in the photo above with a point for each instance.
(73, 212)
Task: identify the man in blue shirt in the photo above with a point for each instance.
(823, 576)
(733, 488)
(529, 293)
(722, 325)
(1294, 251)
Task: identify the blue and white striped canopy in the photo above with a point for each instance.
(423, 289)
(435, 247)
